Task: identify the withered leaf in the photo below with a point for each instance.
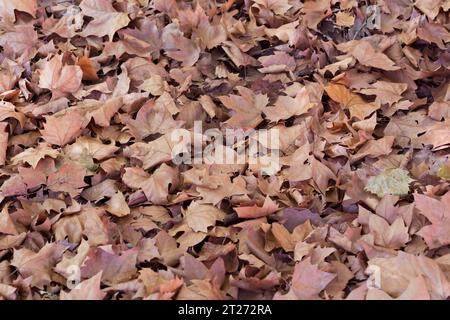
(62, 130)
(106, 19)
(243, 150)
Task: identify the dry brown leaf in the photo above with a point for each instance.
(62, 130)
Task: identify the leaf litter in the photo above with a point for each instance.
(95, 205)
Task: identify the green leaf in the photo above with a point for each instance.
(394, 182)
(444, 172)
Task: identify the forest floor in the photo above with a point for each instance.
(247, 149)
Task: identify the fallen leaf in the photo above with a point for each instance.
(69, 178)
(366, 54)
(106, 19)
(38, 265)
(32, 156)
(437, 212)
(117, 205)
(62, 130)
(86, 290)
(353, 102)
(60, 79)
(397, 272)
(255, 211)
(308, 280)
(7, 8)
(201, 216)
(394, 182)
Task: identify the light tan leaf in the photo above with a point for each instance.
(106, 19)
(201, 216)
(255, 211)
(374, 148)
(397, 272)
(117, 205)
(353, 102)
(69, 178)
(62, 130)
(155, 186)
(86, 290)
(32, 156)
(7, 8)
(365, 53)
(247, 108)
(386, 92)
(60, 80)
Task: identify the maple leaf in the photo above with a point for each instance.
(392, 236)
(13, 186)
(201, 216)
(285, 33)
(60, 80)
(22, 39)
(66, 26)
(62, 130)
(86, 290)
(69, 178)
(100, 111)
(247, 108)
(397, 272)
(444, 172)
(152, 118)
(340, 65)
(429, 7)
(393, 182)
(211, 35)
(386, 92)
(38, 265)
(159, 150)
(357, 106)
(365, 53)
(156, 185)
(315, 12)
(345, 19)
(7, 110)
(114, 267)
(33, 178)
(437, 135)
(7, 8)
(374, 148)
(155, 85)
(71, 259)
(179, 47)
(6, 224)
(85, 149)
(32, 156)
(416, 290)
(278, 62)
(437, 212)
(87, 222)
(308, 280)
(286, 107)
(255, 211)
(142, 41)
(321, 174)
(106, 19)
(276, 6)
(222, 187)
(236, 55)
(117, 205)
